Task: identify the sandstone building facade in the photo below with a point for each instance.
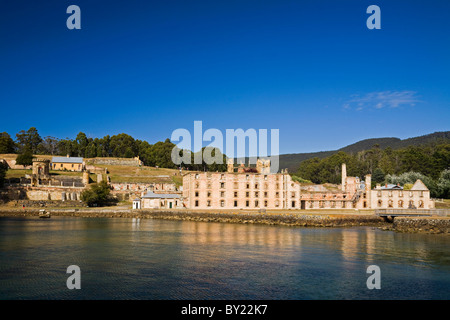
(248, 188)
(68, 164)
(251, 188)
(395, 197)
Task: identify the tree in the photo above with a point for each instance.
(123, 145)
(29, 140)
(7, 144)
(25, 159)
(411, 177)
(444, 184)
(98, 194)
(378, 176)
(3, 169)
(48, 146)
(91, 149)
(82, 142)
(66, 147)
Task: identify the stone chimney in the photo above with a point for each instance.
(344, 176)
(230, 165)
(368, 182)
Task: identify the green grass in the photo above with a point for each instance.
(10, 174)
(443, 205)
(133, 174)
(117, 174)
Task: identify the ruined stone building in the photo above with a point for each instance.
(395, 197)
(41, 186)
(249, 188)
(256, 188)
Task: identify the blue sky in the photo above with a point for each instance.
(311, 69)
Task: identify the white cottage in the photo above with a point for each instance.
(153, 200)
(137, 204)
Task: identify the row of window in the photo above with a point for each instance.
(247, 176)
(236, 185)
(401, 203)
(247, 194)
(330, 204)
(62, 165)
(247, 203)
(400, 194)
(307, 196)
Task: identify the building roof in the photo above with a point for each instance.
(67, 160)
(419, 185)
(391, 186)
(153, 195)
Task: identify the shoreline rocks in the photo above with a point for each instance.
(294, 219)
(433, 225)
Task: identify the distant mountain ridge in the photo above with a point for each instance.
(292, 161)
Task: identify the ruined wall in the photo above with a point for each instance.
(54, 195)
(41, 194)
(144, 187)
(400, 199)
(12, 165)
(115, 161)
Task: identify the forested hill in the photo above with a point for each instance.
(292, 161)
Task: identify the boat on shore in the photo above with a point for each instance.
(44, 214)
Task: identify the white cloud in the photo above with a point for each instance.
(382, 99)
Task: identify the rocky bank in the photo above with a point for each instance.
(400, 224)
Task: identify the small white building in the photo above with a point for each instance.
(153, 200)
(137, 204)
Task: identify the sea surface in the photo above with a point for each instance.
(160, 259)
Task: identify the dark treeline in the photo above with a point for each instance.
(121, 146)
(429, 162)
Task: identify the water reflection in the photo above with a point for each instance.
(158, 259)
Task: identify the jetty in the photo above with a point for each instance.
(390, 214)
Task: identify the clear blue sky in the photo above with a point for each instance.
(309, 68)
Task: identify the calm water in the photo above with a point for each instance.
(157, 259)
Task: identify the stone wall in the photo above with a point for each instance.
(44, 204)
(144, 187)
(54, 195)
(422, 225)
(41, 194)
(115, 161)
(12, 165)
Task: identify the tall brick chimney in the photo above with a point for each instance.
(344, 177)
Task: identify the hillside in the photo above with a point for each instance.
(292, 161)
(117, 173)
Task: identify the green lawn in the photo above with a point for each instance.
(16, 173)
(443, 205)
(118, 174)
(134, 174)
